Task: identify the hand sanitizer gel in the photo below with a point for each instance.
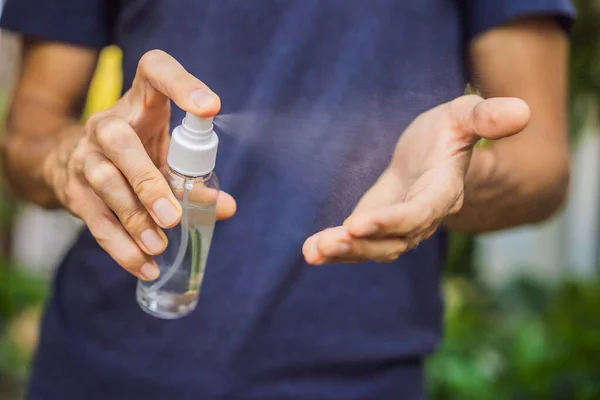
(189, 171)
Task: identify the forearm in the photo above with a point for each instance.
(42, 125)
(521, 179)
(515, 181)
(35, 141)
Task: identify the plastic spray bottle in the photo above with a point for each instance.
(189, 172)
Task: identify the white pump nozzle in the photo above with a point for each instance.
(195, 123)
(193, 148)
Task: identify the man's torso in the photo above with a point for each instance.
(315, 95)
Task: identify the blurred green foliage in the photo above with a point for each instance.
(523, 342)
(19, 292)
(526, 341)
(585, 64)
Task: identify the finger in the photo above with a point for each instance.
(112, 188)
(326, 244)
(354, 258)
(122, 146)
(334, 245)
(380, 250)
(401, 219)
(200, 194)
(431, 203)
(112, 237)
(226, 206)
(343, 260)
(493, 118)
(160, 77)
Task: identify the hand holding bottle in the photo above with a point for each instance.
(110, 177)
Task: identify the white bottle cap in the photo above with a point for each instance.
(193, 148)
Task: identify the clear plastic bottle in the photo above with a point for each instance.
(190, 162)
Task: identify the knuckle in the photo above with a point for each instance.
(79, 155)
(130, 258)
(470, 99)
(466, 101)
(181, 79)
(92, 121)
(135, 220)
(112, 133)
(102, 228)
(101, 175)
(95, 119)
(70, 193)
(179, 83)
(146, 183)
(150, 58)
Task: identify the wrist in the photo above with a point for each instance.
(54, 168)
(49, 169)
(481, 169)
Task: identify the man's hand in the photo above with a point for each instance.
(110, 177)
(423, 184)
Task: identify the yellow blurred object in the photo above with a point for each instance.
(106, 85)
(23, 330)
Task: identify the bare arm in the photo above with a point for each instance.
(436, 176)
(44, 115)
(524, 178)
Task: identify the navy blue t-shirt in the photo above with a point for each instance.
(315, 94)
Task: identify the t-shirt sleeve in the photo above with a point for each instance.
(482, 15)
(86, 23)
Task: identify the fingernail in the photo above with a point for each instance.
(165, 211)
(152, 241)
(149, 271)
(203, 98)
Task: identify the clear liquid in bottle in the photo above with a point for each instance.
(175, 292)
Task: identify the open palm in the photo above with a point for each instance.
(423, 184)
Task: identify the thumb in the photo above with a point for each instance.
(160, 77)
(494, 118)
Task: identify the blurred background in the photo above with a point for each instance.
(523, 306)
